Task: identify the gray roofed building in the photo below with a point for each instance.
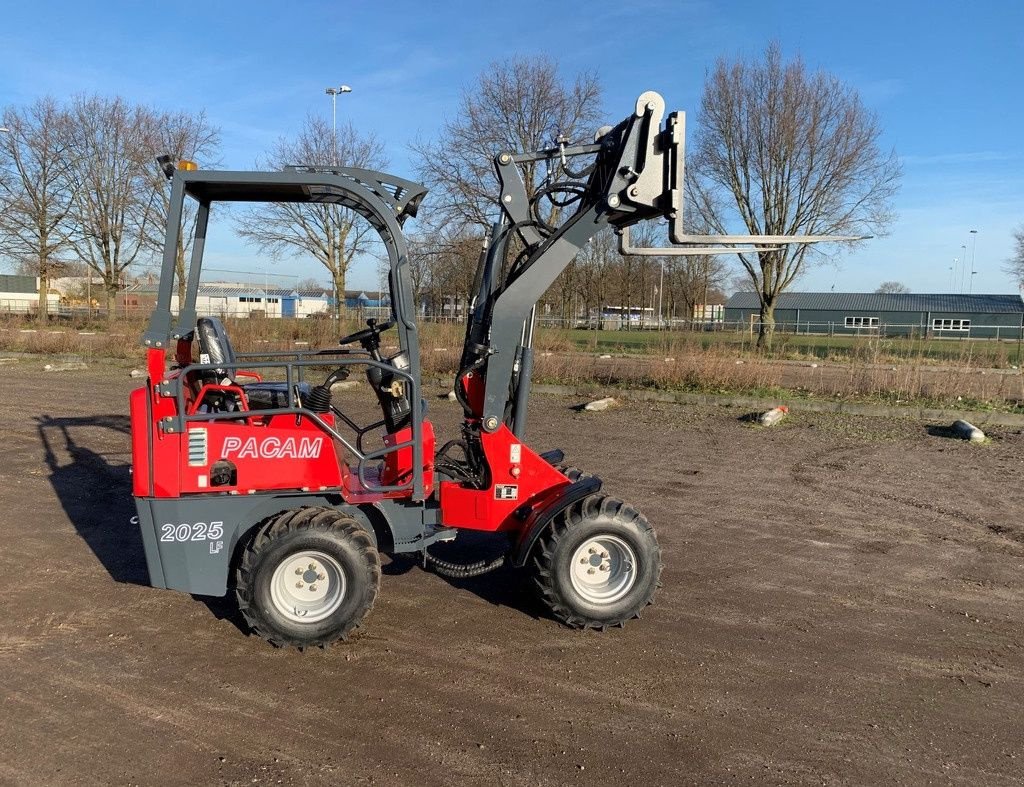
(18, 284)
(885, 302)
(947, 315)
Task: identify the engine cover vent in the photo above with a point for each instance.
(197, 447)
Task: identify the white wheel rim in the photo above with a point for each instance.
(603, 569)
(307, 586)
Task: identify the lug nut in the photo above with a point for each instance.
(312, 588)
(321, 577)
(583, 560)
(590, 571)
(298, 572)
(604, 555)
(298, 584)
(312, 567)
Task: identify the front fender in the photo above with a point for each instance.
(540, 520)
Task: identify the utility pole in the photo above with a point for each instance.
(963, 267)
(974, 249)
(333, 93)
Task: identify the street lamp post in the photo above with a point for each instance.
(963, 266)
(333, 93)
(974, 249)
(661, 294)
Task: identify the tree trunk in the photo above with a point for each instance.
(179, 272)
(44, 306)
(338, 279)
(111, 295)
(766, 331)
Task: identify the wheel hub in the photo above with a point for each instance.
(603, 569)
(307, 586)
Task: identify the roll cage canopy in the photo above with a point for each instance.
(384, 200)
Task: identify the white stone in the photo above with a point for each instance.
(604, 357)
(773, 416)
(70, 366)
(136, 373)
(345, 385)
(452, 397)
(601, 404)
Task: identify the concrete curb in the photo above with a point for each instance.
(805, 405)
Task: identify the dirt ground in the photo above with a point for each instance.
(842, 603)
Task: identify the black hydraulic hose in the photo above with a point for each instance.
(462, 570)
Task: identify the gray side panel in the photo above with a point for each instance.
(150, 544)
(189, 541)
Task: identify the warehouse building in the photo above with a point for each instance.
(20, 295)
(886, 314)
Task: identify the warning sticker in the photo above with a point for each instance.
(506, 492)
(515, 453)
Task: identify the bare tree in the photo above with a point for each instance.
(34, 194)
(516, 105)
(692, 281)
(113, 196)
(181, 135)
(308, 284)
(781, 151)
(892, 288)
(443, 265)
(1015, 265)
(595, 265)
(332, 234)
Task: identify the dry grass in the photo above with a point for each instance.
(877, 369)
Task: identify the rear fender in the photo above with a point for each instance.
(540, 520)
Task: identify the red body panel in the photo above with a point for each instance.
(515, 469)
(268, 452)
(271, 453)
(142, 429)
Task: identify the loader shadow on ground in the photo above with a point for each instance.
(504, 587)
(95, 493)
(943, 431)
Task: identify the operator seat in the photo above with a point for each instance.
(215, 347)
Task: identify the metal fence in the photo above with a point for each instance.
(1012, 333)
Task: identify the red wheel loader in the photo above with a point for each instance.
(270, 487)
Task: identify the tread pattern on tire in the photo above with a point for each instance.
(574, 474)
(545, 553)
(308, 518)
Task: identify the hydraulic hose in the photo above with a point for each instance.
(461, 570)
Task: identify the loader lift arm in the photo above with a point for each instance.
(636, 175)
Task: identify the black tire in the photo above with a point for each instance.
(596, 517)
(574, 474)
(350, 561)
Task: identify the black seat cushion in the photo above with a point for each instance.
(214, 345)
(264, 396)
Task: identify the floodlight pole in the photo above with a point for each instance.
(333, 93)
(974, 249)
(661, 294)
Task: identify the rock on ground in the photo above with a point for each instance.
(601, 404)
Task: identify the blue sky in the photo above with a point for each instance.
(945, 79)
